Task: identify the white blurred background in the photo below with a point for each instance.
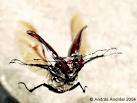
(111, 23)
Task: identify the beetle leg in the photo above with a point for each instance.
(44, 66)
(16, 61)
(52, 88)
(78, 84)
(45, 85)
(90, 58)
(31, 90)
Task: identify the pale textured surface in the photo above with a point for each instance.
(111, 23)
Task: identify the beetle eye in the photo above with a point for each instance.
(58, 80)
(71, 83)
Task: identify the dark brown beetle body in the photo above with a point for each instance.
(64, 71)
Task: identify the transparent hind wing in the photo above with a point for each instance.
(77, 24)
(31, 49)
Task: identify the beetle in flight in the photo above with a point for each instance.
(63, 71)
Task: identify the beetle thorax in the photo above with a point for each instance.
(69, 65)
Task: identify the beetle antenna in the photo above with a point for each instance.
(46, 60)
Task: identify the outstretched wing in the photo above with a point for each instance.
(30, 48)
(78, 35)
